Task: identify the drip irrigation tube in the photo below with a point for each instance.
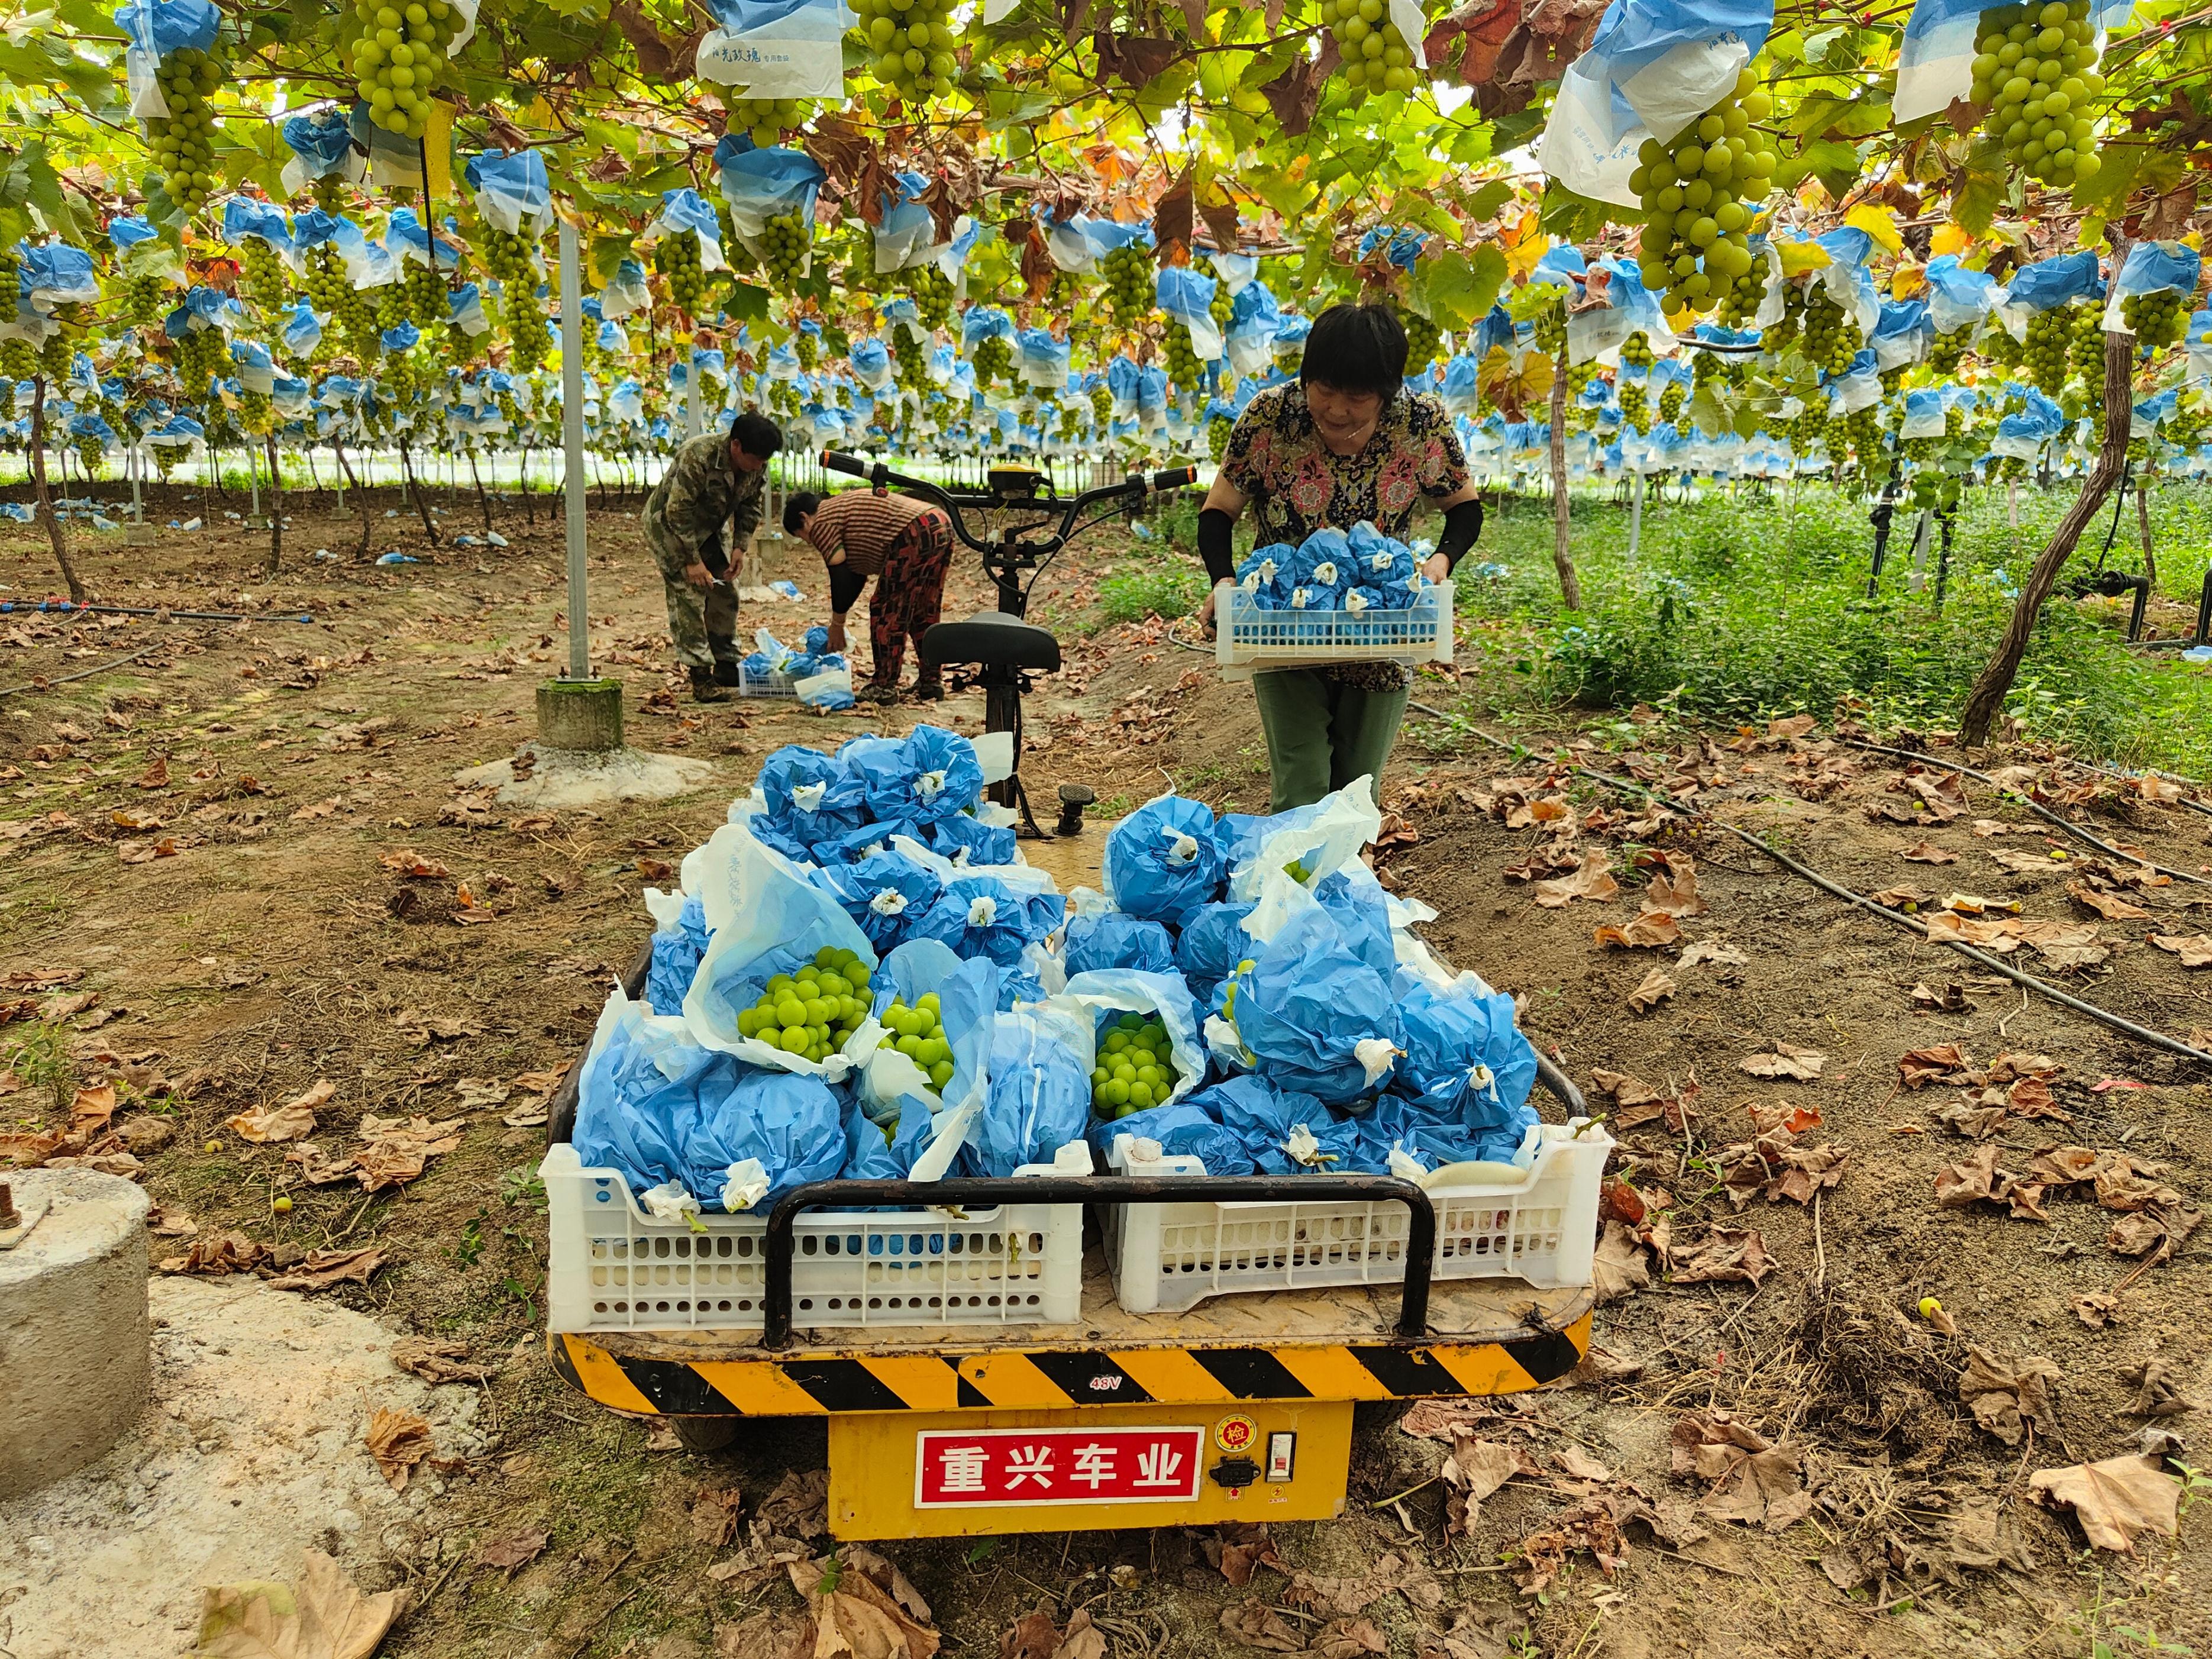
(83, 674)
(2034, 806)
(2186, 801)
(2125, 1027)
(2105, 1017)
(71, 607)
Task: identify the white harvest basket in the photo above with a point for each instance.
(616, 1268)
(1542, 1229)
(1247, 637)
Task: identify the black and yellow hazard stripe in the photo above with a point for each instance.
(853, 1380)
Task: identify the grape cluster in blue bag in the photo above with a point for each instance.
(1337, 578)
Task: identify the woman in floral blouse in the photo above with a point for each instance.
(1346, 443)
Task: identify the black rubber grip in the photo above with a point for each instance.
(1176, 478)
(838, 461)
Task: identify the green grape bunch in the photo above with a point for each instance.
(183, 140)
(919, 1034)
(1636, 351)
(676, 257)
(2035, 66)
(91, 454)
(1673, 397)
(507, 256)
(812, 1013)
(765, 120)
(257, 415)
(1635, 404)
(1376, 55)
(529, 335)
(913, 42)
(329, 192)
(143, 298)
(1102, 405)
(1551, 327)
(2158, 319)
(202, 354)
(912, 356)
(993, 359)
(1831, 339)
(1700, 194)
(1423, 338)
(1948, 347)
(399, 58)
(1183, 364)
(808, 346)
(2085, 345)
(2044, 350)
(933, 296)
(1217, 436)
(262, 270)
(785, 242)
(324, 280)
(427, 295)
(1131, 282)
(1135, 1066)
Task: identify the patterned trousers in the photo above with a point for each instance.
(909, 596)
(704, 626)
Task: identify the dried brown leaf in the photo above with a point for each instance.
(2114, 1500)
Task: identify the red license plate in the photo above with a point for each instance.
(968, 1468)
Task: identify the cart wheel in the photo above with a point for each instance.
(704, 1434)
(1373, 1416)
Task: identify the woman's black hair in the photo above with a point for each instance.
(1356, 348)
(797, 508)
(756, 434)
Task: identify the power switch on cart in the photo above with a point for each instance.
(1282, 1453)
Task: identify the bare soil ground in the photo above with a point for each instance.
(246, 849)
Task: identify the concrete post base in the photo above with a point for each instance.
(585, 716)
(73, 1331)
(139, 535)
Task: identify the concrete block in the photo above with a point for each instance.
(73, 1328)
(581, 716)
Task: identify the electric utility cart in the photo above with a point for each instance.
(1088, 1343)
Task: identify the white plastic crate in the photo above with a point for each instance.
(1247, 637)
(771, 684)
(616, 1268)
(1542, 1229)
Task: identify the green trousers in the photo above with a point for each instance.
(1322, 734)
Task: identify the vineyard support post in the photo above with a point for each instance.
(572, 442)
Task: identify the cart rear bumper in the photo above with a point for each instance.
(645, 1377)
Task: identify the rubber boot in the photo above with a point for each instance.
(704, 688)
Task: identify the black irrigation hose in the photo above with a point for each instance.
(2105, 1017)
(2192, 804)
(82, 673)
(2034, 806)
(2125, 1027)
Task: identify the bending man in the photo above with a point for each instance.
(715, 480)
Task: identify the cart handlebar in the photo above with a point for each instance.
(1069, 508)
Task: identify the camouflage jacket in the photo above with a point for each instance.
(700, 492)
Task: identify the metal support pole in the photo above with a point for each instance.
(692, 426)
(1635, 513)
(572, 442)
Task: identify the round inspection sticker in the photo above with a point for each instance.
(1236, 1434)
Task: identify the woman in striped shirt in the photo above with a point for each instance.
(907, 546)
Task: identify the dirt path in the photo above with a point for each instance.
(214, 844)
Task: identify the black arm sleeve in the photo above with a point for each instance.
(845, 585)
(1462, 524)
(711, 556)
(1215, 545)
